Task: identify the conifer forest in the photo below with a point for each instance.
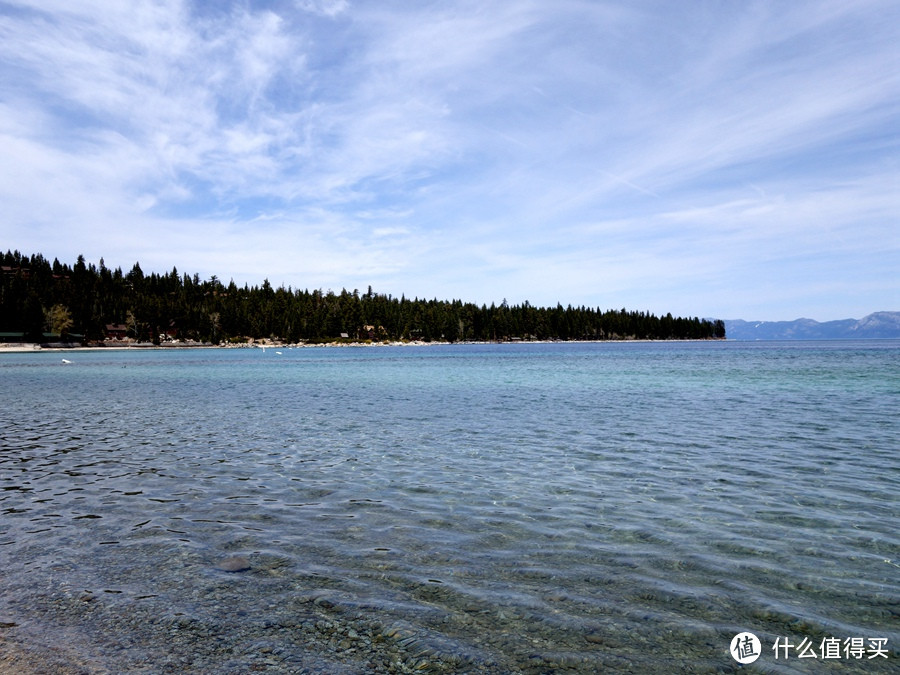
(43, 301)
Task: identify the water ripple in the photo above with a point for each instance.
(585, 499)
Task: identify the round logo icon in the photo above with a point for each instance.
(745, 647)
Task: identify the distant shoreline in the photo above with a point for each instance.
(30, 348)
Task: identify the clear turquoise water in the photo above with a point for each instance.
(526, 508)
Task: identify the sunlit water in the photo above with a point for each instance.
(504, 508)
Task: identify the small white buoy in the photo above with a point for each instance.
(66, 361)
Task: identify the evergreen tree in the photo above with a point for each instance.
(36, 295)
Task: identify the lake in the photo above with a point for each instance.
(514, 508)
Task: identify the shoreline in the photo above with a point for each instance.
(29, 348)
(36, 348)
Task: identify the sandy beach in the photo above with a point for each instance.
(19, 348)
(28, 348)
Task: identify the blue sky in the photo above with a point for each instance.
(715, 159)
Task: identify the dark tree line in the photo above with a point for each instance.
(80, 302)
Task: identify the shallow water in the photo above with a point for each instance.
(505, 508)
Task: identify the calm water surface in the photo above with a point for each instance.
(498, 508)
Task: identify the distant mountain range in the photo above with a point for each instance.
(876, 325)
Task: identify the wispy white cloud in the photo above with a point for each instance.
(328, 8)
(640, 154)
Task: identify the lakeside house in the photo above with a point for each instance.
(369, 332)
(9, 271)
(46, 339)
(116, 331)
(12, 337)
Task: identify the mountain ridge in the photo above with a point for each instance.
(877, 325)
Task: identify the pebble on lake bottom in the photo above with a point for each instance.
(233, 564)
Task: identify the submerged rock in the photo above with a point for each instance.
(233, 564)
